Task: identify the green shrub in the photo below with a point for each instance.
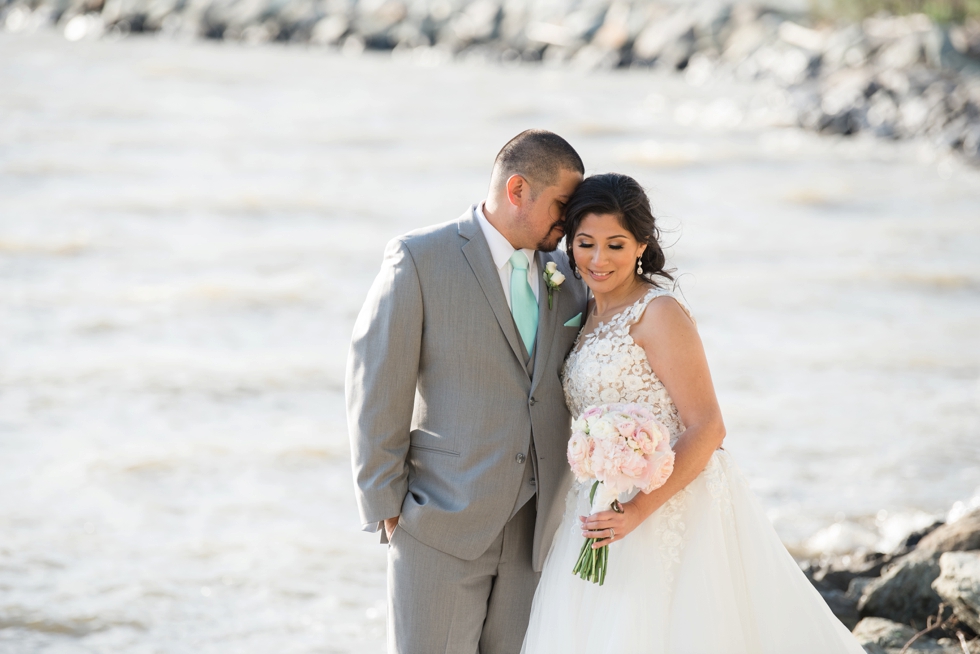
(942, 11)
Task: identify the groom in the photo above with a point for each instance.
(458, 423)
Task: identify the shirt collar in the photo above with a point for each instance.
(500, 248)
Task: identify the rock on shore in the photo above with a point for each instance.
(904, 591)
(888, 598)
(895, 77)
(958, 585)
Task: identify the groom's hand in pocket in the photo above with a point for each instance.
(390, 524)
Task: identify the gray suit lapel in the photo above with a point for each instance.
(477, 254)
(547, 323)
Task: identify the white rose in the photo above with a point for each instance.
(602, 430)
(580, 425)
(556, 277)
(551, 267)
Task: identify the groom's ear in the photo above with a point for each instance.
(518, 190)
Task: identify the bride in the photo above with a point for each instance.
(695, 567)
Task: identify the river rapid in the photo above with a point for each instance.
(187, 231)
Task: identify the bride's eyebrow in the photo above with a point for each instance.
(608, 238)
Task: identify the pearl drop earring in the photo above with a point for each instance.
(639, 265)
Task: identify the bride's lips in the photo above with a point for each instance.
(599, 277)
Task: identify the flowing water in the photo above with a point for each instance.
(187, 231)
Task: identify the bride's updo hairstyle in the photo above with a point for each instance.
(623, 197)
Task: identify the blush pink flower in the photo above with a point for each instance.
(623, 446)
(660, 469)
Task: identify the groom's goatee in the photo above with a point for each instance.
(546, 245)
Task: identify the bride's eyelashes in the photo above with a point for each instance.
(612, 246)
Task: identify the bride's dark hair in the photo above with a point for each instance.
(623, 197)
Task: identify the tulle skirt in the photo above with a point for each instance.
(705, 574)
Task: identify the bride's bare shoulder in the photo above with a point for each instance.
(664, 319)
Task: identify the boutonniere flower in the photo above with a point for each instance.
(552, 279)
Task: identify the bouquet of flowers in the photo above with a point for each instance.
(620, 448)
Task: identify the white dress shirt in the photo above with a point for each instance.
(501, 250)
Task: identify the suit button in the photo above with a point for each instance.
(521, 458)
(533, 401)
(532, 482)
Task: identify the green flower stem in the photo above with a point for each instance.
(592, 561)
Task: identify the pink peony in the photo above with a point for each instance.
(644, 443)
(579, 456)
(623, 446)
(592, 412)
(625, 425)
(661, 466)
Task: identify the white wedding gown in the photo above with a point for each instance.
(704, 574)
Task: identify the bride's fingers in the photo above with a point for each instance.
(602, 518)
(606, 537)
(599, 521)
(605, 528)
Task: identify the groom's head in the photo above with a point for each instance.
(533, 177)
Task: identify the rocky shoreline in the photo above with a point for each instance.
(894, 77)
(927, 590)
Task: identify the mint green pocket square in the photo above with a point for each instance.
(575, 322)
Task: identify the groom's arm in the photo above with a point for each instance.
(382, 371)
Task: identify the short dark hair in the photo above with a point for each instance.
(537, 155)
(623, 197)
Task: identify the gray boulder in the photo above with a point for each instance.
(878, 635)
(904, 591)
(666, 37)
(960, 536)
(958, 585)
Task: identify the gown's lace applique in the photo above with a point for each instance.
(670, 534)
(606, 366)
(716, 477)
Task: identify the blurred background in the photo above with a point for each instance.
(194, 199)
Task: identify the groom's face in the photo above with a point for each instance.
(543, 217)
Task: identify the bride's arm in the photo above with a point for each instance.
(673, 347)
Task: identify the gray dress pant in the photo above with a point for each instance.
(438, 603)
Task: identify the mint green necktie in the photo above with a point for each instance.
(522, 302)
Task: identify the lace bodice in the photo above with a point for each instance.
(607, 366)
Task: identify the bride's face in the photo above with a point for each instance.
(605, 252)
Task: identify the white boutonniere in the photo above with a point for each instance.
(552, 279)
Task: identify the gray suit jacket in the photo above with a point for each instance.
(440, 405)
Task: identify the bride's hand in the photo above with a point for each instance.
(611, 526)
